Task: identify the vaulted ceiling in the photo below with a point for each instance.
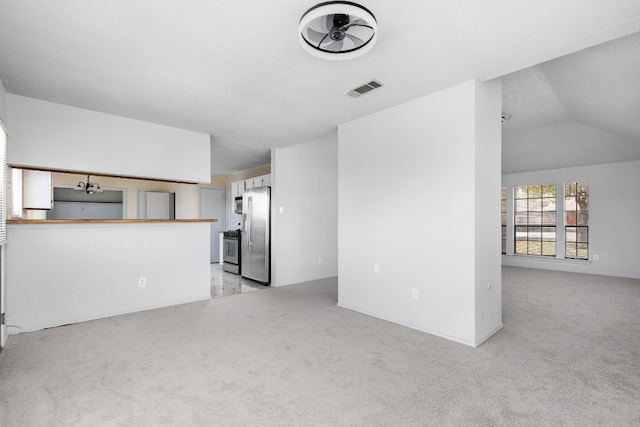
(235, 69)
(577, 110)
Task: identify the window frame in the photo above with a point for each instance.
(576, 220)
(534, 220)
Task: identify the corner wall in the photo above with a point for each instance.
(3, 334)
(488, 164)
(614, 230)
(305, 185)
(424, 229)
(3, 103)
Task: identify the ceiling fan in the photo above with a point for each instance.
(338, 30)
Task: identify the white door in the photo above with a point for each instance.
(212, 207)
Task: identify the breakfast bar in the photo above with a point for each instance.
(68, 271)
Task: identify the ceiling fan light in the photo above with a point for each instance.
(323, 33)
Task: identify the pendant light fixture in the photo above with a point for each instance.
(337, 30)
(89, 187)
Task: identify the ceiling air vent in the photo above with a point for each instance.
(367, 87)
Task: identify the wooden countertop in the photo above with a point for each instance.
(104, 221)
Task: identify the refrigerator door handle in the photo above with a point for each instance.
(250, 211)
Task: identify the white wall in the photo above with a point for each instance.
(233, 220)
(412, 189)
(3, 115)
(305, 185)
(60, 274)
(614, 230)
(3, 103)
(54, 136)
(84, 210)
(488, 247)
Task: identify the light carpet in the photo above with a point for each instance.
(569, 354)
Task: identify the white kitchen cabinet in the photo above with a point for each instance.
(258, 181)
(266, 180)
(239, 187)
(248, 183)
(37, 190)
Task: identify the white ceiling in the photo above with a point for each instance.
(577, 110)
(235, 69)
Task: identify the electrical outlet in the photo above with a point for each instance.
(414, 294)
(319, 260)
(376, 268)
(281, 209)
(596, 257)
(142, 282)
(489, 286)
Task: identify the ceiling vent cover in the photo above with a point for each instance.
(365, 88)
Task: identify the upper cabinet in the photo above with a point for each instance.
(239, 187)
(258, 181)
(37, 190)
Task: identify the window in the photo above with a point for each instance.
(503, 207)
(535, 219)
(576, 209)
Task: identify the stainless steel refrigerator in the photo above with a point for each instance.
(256, 228)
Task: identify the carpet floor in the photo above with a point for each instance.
(569, 354)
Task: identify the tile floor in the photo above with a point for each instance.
(224, 283)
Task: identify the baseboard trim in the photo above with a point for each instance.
(279, 285)
(495, 331)
(59, 323)
(417, 328)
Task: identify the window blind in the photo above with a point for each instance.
(3, 184)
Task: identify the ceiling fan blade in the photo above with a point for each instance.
(356, 40)
(315, 36)
(357, 22)
(336, 46)
(329, 21)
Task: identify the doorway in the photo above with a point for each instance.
(212, 207)
(156, 205)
